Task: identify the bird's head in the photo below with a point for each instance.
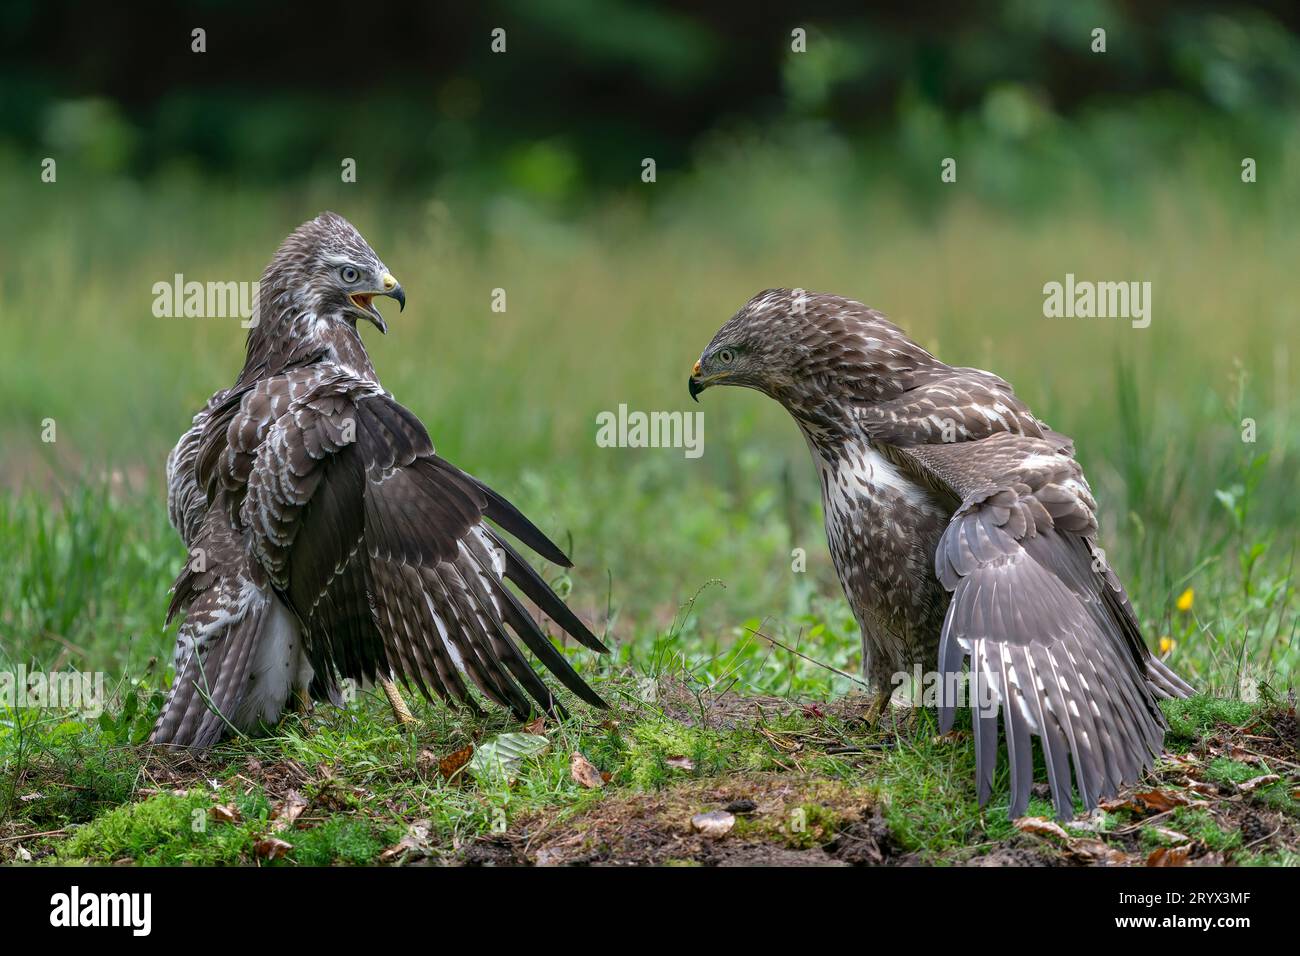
(325, 269)
(803, 348)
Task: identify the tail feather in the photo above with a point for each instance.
(1164, 683)
(212, 672)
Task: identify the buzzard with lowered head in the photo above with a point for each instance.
(962, 530)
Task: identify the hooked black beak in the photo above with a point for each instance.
(693, 383)
(397, 293)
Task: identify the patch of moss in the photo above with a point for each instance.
(811, 825)
(1191, 719)
(165, 829)
(1224, 770)
(1269, 858)
(76, 777)
(651, 743)
(1277, 796)
(339, 840)
(1194, 823)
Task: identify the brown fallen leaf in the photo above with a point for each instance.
(1043, 827)
(1170, 855)
(680, 763)
(1173, 836)
(271, 848)
(426, 763)
(535, 726)
(714, 824)
(1158, 801)
(1096, 851)
(1254, 783)
(228, 813)
(583, 773)
(414, 844)
(451, 765)
(288, 812)
(1295, 793)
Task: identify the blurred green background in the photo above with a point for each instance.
(522, 171)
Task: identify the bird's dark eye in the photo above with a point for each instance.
(725, 356)
(349, 275)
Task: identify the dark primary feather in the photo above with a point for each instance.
(385, 516)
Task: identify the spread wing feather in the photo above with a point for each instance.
(378, 546)
(381, 549)
(1054, 648)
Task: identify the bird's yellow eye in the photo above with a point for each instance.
(349, 274)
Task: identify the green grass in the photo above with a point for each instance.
(679, 561)
(365, 784)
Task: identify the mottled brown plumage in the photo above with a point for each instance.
(327, 538)
(962, 529)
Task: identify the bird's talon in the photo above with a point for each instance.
(401, 712)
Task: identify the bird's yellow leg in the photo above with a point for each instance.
(401, 713)
(878, 707)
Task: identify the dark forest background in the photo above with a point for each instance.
(415, 92)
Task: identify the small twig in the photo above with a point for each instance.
(67, 644)
(33, 836)
(1266, 836)
(861, 748)
(1144, 821)
(810, 660)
